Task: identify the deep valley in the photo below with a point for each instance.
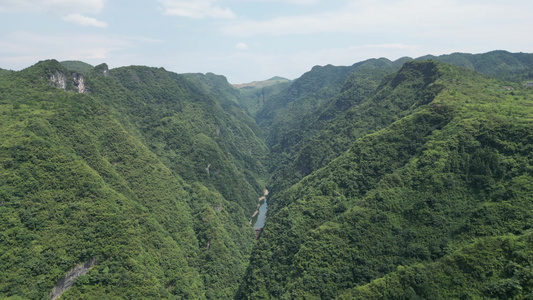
(406, 179)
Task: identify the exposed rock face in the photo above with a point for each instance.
(59, 80)
(66, 282)
(79, 83)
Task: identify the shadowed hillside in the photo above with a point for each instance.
(407, 179)
(451, 167)
(119, 174)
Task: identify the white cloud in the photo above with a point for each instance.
(241, 46)
(52, 6)
(420, 17)
(196, 9)
(282, 26)
(84, 21)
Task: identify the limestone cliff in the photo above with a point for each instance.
(61, 81)
(66, 282)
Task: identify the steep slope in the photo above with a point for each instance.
(83, 178)
(229, 98)
(303, 139)
(489, 268)
(328, 130)
(457, 168)
(281, 112)
(395, 180)
(198, 133)
(255, 95)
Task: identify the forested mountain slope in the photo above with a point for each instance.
(306, 130)
(388, 180)
(193, 129)
(315, 137)
(145, 172)
(455, 170)
(254, 97)
(284, 111)
(499, 64)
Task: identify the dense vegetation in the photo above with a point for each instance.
(500, 64)
(4, 72)
(253, 98)
(77, 66)
(407, 179)
(453, 168)
(120, 174)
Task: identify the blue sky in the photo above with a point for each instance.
(248, 40)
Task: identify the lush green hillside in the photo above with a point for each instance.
(328, 130)
(347, 224)
(407, 179)
(283, 110)
(500, 64)
(254, 94)
(254, 97)
(456, 169)
(189, 128)
(119, 174)
(489, 268)
(304, 132)
(4, 72)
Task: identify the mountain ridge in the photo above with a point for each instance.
(322, 236)
(387, 179)
(83, 176)
(261, 83)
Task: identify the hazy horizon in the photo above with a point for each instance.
(256, 39)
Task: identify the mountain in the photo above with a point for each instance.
(387, 180)
(299, 128)
(144, 177)
(447, 165)
(263, 83)
(77, 66)
(255, 94)
(500, 64)
(300, 140)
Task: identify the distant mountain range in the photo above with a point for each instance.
(263, 83)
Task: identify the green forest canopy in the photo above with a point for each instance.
(393, 180)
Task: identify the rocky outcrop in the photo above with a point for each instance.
(103, 69)
(66, 282)
(59, 80)
(79, 82)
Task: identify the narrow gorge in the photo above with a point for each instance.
(401, 179)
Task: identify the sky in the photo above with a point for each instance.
(248, 40)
